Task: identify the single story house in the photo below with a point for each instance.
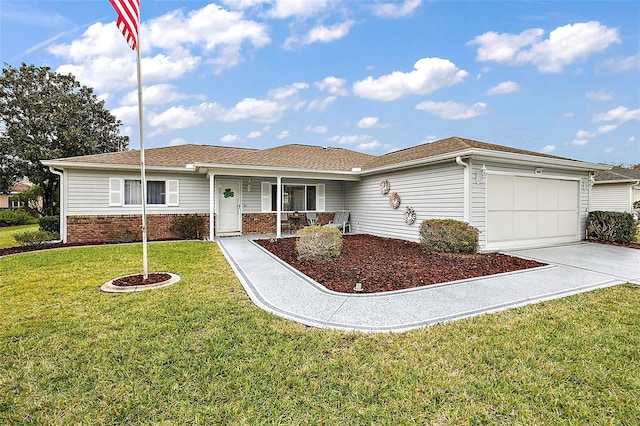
(516, 198)
(615, 190)
(8, 200)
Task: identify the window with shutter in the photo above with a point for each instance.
(173, 196)
(266, 196)
(115, 191)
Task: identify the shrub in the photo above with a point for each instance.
(15, 217)
(448, 235)
(35, 237)
(126, 236)
(49, 223)
(318, 242)
(616, 227)
(189, 227)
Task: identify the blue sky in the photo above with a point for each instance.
(372, 76)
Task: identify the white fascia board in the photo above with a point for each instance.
(266, 171)
(481, 154)
(631, 182)
(64, 165)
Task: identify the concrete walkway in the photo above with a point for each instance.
(274, 286)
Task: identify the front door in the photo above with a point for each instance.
(229, 207)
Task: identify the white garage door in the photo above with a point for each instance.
(525, 211)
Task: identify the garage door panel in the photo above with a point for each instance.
(568, 195)
(501, 225)
(526, 190)
(500, 195)
(567, 223)
(548, 224)
(547, 194)
(525, 225)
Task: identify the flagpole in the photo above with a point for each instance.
(143, 178)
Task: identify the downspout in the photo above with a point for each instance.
(63, 210)
(466, 183)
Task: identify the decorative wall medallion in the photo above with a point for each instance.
(394, 200)
(228, 193)
(409, 216)
(384, 186)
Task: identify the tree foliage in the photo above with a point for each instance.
(46, 115)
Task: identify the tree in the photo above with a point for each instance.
(48, 115)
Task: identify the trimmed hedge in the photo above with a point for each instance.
(36, 237)
(318, 242)
(189, 227)
(449, 236)
(49, 223)
(617, 227)
(15, 218)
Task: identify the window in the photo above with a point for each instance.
(295, 198)
(128, 192)
(15, 204)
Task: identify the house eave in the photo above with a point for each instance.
(268, 171)
(630, 182)
(487, 155)
(65, 165)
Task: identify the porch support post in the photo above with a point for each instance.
(467, 188)
(278, 206)
(211, 205)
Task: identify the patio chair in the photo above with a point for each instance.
(341, 221)
(312, 219)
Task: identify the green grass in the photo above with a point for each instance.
(6, 234)
(199, 352)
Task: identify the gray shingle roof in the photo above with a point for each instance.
(618, 174)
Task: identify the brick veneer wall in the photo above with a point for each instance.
(114, 228)
(265, 223)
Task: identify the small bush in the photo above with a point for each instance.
(15, 218)
(189, 227)
(126, 236)
(449, 236)
(49, 223)
(318, 242)
(35, 237)
(615, 227)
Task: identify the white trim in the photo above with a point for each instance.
(278, 206)
(212, 213)
(219, 185)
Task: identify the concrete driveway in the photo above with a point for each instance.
(274, 286)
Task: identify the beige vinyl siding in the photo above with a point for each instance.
(88, 193)
(433, 192)
(614, 197)
(478, 191)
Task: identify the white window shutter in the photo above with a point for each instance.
(115, 191)
(320, 197)
(173, 193)
(266, 196)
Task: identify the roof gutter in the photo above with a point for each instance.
(63, 165)
(269, 171)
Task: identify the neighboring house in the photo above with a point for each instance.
(516, 198)
(615, 190)
(8, 201)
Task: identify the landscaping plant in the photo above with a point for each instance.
(318, 242)
(617, 227)
(15, 217)
(449, 236)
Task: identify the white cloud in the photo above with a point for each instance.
(156, 94)
(631, 139)
(503, 88)
(283, 135)
(335, 86)
(176, 117)
(316, 129)
(255, 134)
(296, 8)
(177, 141)
(368, 146)
(548, 149)
(260, 110)
(601, 95)
(620, 114)
(287, 92)
(321, 104)
(429, 138)
(429, 75)
(453, 110)
(565, 45)
(361, 142)
(368, 122)
(583, 136)
(579, 142)
(321, 34)
(243, 4)
(627, 64)
(229, 139)
(393, 10)
(126, 114)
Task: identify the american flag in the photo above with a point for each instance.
(128, 19)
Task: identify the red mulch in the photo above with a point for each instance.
(132, 280)
(386, 264)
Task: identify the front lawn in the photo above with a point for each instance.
(199, 352)
(7, 233)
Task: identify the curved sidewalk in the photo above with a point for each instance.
(274, 286)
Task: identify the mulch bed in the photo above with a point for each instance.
(135, 280)
(386, 264)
